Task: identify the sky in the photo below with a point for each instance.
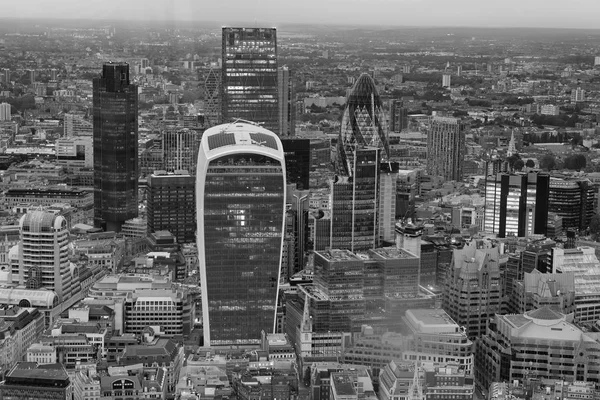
(475, 13)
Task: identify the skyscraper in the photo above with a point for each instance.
(5, 112)
(115, 147)
(249, 89)
(398, 116)
(354, 203)
(297, 161)
(6, 75)
(171, 204)
(287, 109)
(363, 123)
(48, 268)
(517, 204)
(240, 198)
(446, 148)
(180, 149)
(212, 96)
(446, 79)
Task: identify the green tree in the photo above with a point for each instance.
(530, 163)
(595, 226)
(575, 161)
(547, 162)
(518, 165)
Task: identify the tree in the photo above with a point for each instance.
(595, 226)
(518, 165)
(575, 161)
(530, 163)
(547, 162)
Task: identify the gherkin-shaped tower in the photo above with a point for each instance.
(363, 123)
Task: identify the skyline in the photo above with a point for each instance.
(577, 14)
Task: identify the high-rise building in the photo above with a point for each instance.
(31, 75)
(297, 161)
(240, 197)
(287, 109)
(53, 74)
(172, 204)
(577, 95)
(354, 203)
(6, 75)
(387, 190)
(573, 200)
(472, 287)
(50, 268)
(446, 148)
(180, 149)
(249, 88)
(5, 112)
(516, 204)
(446, 78)
(75, 125)
(363, 124)
(398, 116)
(596, 60)
(115, 147)
(212, 96)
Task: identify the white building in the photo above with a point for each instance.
(4, 112)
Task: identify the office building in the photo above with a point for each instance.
(446, 78)
(249, 88)
(171, 204)
(387, 192)
(573, 200)
(240, 197)
(538, 345)
(297, 226)
(472, 292)
(446, 148)
(5, 113)
(287, 102)
(115, 107)
(585, 267)
(363, 124)
(49, 269)
(537, 290)
(398, 116)
(212, 96)
(354, 203)
(76, 125)
(297, 161)
(31, 76)
(596, 60)
(577, 95)
(180, 149)
(19, 328)
(516, 204)
(75, 152)
(41, 382)
(6, 76)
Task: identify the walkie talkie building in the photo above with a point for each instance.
(240, 201)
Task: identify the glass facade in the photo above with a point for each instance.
(115, 105)
(241, 185)
(363, 123)
(249, 89)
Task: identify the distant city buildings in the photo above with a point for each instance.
(115, 147)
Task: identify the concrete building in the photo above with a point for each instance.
(42, 382)
(446, 148)
(5, 113)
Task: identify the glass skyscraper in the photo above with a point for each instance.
(249, 89)
(363, 123)
(115, 147)
(240, 198)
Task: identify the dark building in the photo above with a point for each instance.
(249, 88)
(240, 197)
(287, 102)
(516, 204)
(398, 116)
(172, 204)
(297, 162)
(115, 106)
(573, 200)
(28, 380)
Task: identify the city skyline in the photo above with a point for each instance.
(409, 13)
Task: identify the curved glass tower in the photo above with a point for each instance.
(363, 123)
(240, 199)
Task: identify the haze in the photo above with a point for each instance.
(475, 13)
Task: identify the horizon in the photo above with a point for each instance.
(511, 14)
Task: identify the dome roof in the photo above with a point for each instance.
(364, 92)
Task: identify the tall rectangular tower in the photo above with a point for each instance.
(115, 106)
(446, 148)
(287, 109)
(240, 203)
(249, 88)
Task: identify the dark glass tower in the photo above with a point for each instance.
(249, 89)
(363, 123)
(115, 147)
(240, 203)
(297, 162)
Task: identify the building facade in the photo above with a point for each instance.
(115, 108)
(249, 88)
(240, 197)
(446, 148)
(287, 102)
